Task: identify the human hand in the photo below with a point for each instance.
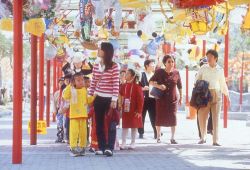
(113, 104)
(145, 88)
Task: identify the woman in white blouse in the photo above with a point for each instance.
(214, 75)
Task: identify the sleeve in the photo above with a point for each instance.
(87, 71)
(93, 83)
(155, 77)
(142, 81)
(179, 83)
(199, 75)
(90, 99)
(139, 99)
(223, 84)
(115, 82)
(67, 93)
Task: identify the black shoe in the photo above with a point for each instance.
(92, 150)
(172, 141)
(140, 136)
(108, 152)
(216, 144)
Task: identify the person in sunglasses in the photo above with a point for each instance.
(167, 80)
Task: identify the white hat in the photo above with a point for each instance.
(78, 57)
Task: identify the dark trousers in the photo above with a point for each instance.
(101, 107)
(149, 105)
(66, 126)
(209, 124)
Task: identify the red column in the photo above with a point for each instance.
(17, 81)
(187, 99)
(54, 83)
(204, 48)
(33, 96)
(59, 72)
(41, 77)
(225, 109)
(48, 94)
(241, 81)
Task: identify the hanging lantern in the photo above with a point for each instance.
(134, 3)
(194, 3)
(246, 22)
(6, 24)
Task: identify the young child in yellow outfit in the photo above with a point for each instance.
(77, 94)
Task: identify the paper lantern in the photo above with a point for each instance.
(134, 3)
(50, 52)
(194, 3)
(153, 45)
(35, 26)
(118, 17)
(6, 24)
(134, 42)
(166, 48)
(99, 10)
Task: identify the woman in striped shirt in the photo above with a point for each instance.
(105, 88)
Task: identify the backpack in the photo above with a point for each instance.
(200, 94)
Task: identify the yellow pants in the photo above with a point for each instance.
(215, 107)
(78, 132)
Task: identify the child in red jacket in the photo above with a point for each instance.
(132, 105)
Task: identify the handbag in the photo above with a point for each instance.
(157, 93)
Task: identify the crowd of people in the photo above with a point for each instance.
(89, 110)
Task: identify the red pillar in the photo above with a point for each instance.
(17, 81)
(241, 81)
(54, 84)
(225, 109)
(33, 97)
(41, 77)
(59, 72)
(48, 94)
(187, 99)
(204, 48)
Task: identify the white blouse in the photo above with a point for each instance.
(214, 76)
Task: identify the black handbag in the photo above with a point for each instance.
(157, 93)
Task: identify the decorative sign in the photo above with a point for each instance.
(41, 127)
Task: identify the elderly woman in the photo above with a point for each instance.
(166, 107)
(214, 75)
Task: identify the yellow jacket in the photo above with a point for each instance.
(78, 101)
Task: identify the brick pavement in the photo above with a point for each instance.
(46, 155)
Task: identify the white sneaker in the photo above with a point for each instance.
(99, 152)
(108, 152)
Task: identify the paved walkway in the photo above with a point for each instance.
(46, 155)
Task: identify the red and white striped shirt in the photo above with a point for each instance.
(105, 83)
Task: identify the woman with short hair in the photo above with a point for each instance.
(167, 80)
(214, 75)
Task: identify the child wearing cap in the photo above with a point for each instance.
(76, 93)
